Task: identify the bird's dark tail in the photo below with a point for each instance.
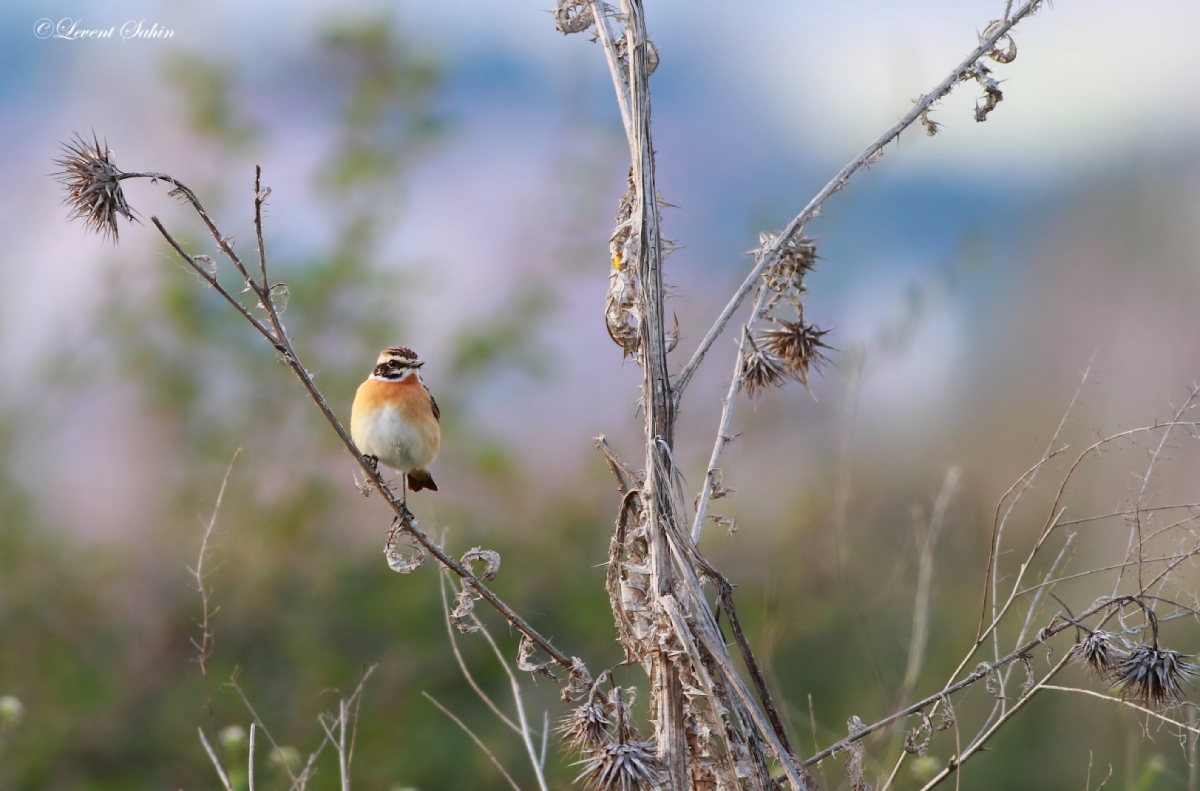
(421, 479)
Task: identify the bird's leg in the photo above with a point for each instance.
(368, 485)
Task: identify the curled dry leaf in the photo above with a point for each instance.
(572, 16)
(400, 564)
(525, 660)
(931, 126)
(992, 95)
(490, 559)
(1006, 55)
(464, 606)
(856, 755)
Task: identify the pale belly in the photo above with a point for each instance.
(395, 442)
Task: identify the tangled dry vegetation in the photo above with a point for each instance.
(713, 723)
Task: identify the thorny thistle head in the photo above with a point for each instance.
(93, 183)
(621, 766)
(762, 368)
(796, 259)
(1099, 652)
(1151, 676)
(798, 345)
(587, 726)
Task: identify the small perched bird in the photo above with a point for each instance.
(394, 419)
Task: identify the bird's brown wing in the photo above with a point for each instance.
(437, 413)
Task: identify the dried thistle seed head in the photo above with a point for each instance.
(761, 369)
(621, 766)
(93, 183)
(1151, 676)
(796, 259)
(586, 727)
(798, 346)
(1099, 652)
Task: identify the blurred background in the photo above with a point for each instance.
(445, 176)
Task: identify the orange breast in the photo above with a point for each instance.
(395, 421)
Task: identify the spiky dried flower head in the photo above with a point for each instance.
(1152, 676)
(1099, 652)
(586, 727)
(798, 345)
(761, 369)
(797, 258)
(621, 766)
(93, 183)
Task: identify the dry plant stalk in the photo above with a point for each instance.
(94, 195)
(710, 730)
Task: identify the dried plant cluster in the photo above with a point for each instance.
(602, 731)
(715, 726)
(1146, 674)
(792, 347)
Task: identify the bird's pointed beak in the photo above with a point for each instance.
(418, 364)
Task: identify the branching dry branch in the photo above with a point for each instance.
(88, 168)
(770, 255)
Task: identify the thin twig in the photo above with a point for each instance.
(519, 702)
(1055, 627)
(723, 437)
(1128, 703)
(250, 760)
(1136, 531)
(213, 757)
(475, 739)
(920, 627)
(204, 648)
(462, 666)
